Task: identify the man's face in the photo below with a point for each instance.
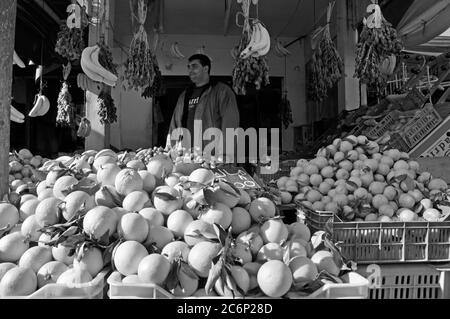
(197, 72)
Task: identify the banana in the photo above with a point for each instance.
(45, 105)
(98, 68)
(16, 113)
(106, 152)
(201, 50)
(172, 51)
(277, 51)
(88, 68)
(17, 60)
(254, 37)
(263, 46)
(89, 153)
(177, 51)
(36, 107)
(283, 49)
(13, 118)
(79, 80)
(265, 39)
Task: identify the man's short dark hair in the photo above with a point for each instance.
(204, 60)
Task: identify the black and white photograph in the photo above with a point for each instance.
(225, 158)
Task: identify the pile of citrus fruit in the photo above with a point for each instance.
(358, 181)
(152, 221)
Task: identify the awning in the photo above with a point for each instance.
(423, 22)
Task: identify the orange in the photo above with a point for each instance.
(274, 278)
(133, 226)
(201, 256)
(406, 201)
(315, 179)
(386, 210)
(127, 257)
(342, 174)
(338, 157)
(324, 261)
(274, 231)
(154, 269)
(379, 200)
(327, 172)
(311, 169)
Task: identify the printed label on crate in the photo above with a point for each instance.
(439, 149)
(236, 175)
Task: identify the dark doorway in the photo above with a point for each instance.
(258, 109)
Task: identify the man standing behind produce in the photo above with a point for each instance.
(212, 103)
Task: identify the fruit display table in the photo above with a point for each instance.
(160, 219)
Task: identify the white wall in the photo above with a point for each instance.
(135, 112)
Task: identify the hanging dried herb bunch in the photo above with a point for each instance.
(374, 45)
(141, 64)
(66, 110)
(285, 111)
(105, 57)
(253, 70)
(327, 66)
(69, 43)
(106, 107)
(156, 88)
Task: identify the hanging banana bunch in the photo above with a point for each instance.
(279, 49)
(250, 63)
(175, 51)
(16, 116)
(97, 64)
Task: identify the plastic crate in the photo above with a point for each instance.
(383, 126)
(315, 220)
(418, 128)
(283, 170)
(421, 125)
(393, 242)
(407, 281)
(91, 290)
(398, 142)
(354, 286)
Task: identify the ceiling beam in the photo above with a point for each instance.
(226, 22)
(48, 10)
